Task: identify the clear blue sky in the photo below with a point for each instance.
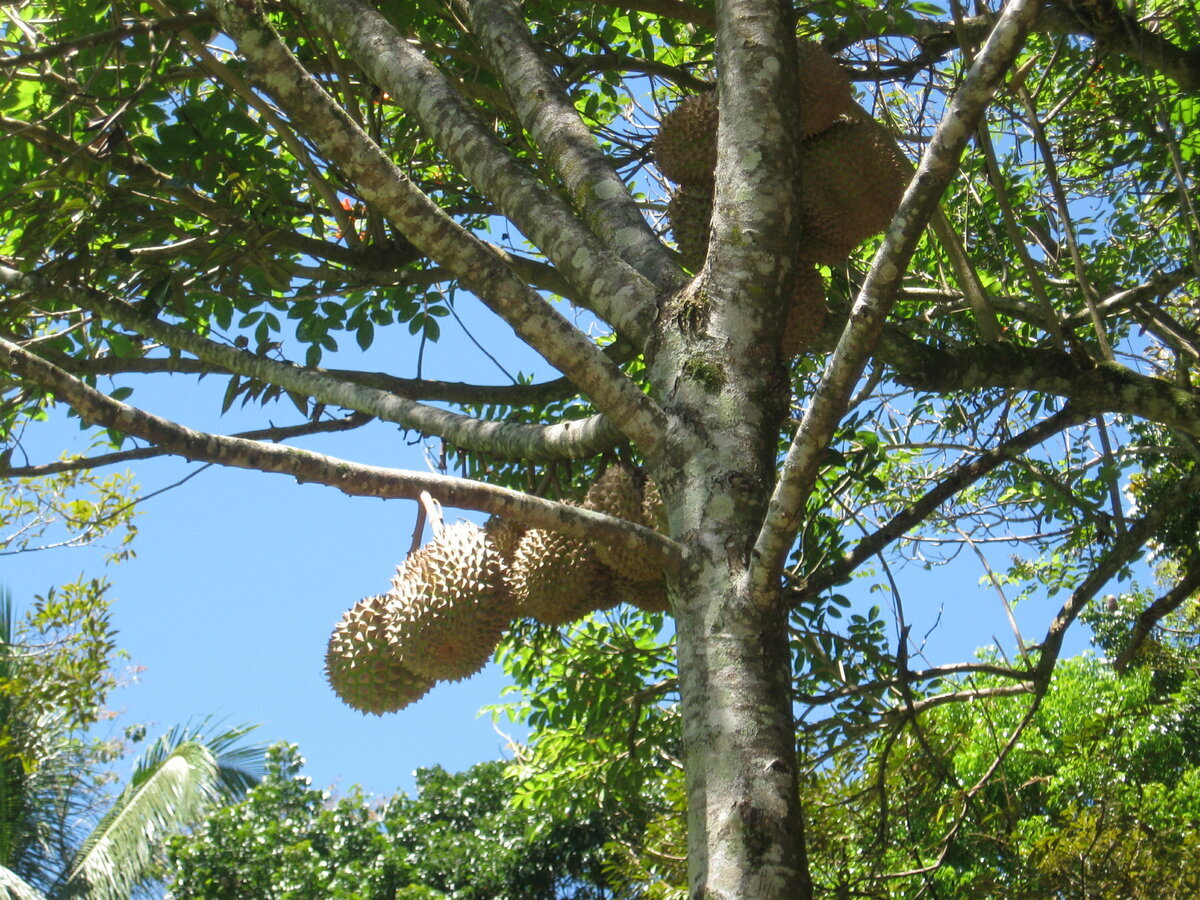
(240, 576)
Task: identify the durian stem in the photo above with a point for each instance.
(433, 511)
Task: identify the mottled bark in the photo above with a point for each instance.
(610, 287)
(724, 390)
(550, 117)
(349, 477)
(569, 440)
(428, 227)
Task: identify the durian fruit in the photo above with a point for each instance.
(653, 510)
(617, 493)
(689, 213)
(649, 596)
(557, 579)
(685, 147)
(504, 535)
(360, 666)
(807, 311)
(851, 182)
(448, 605)
(824, 90)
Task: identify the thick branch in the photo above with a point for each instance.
(569, 440)
(1091, 387)
(1157, 611)
(427, 390)
(613, 290)
(357, 420)
(551, 118)
(828, 403)
(431, 230)
(348, 477)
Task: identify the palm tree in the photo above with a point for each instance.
(48, 786)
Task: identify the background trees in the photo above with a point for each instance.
(63, 831)
(1007, 375)
(458, 837)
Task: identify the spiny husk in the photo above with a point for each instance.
(851, 182)
(504, 534)
(806, 313)
(360, 666)
(649, 596)
(823, 89)
(617, 493)
(557, 579)
(685, 147)
(689, 213)
(653, 510)
(448, 605)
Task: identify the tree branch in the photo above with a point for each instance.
(551, 118)
(568, 440)
(438, 236)
(1122, 552)
(611, 288)
(1157, 611)
(356, 420)
(120, 33)
(937, 167)
(165, 186)
(1092, 387)
(960, 477)
(427, 390)
(351, 478)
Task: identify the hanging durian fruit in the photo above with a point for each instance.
(648, 596)
(807, 311)
(685, 147)
(851, 182)
(617, 493)
(823, 88)
(689, 213)
(360, 666)
(448, 605)
(557, 579)
(504, 535)
(653, 509)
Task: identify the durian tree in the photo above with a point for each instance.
(831, 288)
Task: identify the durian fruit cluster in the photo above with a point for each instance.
(451, 601)
(850, 181)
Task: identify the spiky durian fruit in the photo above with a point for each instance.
(851, 182)
(653, 510)
(685, 147)
(557, 579)
(807, 311)
(504, 534)
(448, 607)
(649, 596)
(823, 88)
(618, 493)
(360, 666)
(689, 213)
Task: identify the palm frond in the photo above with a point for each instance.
(176, 780)
(12, 887)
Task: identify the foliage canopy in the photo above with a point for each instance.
(250, 191)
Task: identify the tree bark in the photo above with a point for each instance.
(724, 389)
